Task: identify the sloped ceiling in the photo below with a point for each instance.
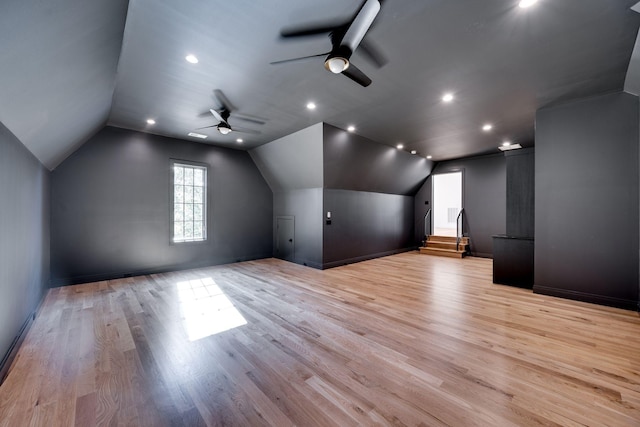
(58, 62)
(58, 67)
(294, 161)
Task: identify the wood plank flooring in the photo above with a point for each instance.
(402, 340)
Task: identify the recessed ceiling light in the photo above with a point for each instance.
(447, 97)
(487, 127)
(351, 128)
(400, 146)
(311, 106)
(506, 143)
(527, 3)
(197, 135)
(239, 140)
(510, 147)
(413, 151)
(429, 157)
(191, 58)
(151, 122)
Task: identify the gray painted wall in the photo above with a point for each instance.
(369, 190)
(24, 227)
(353, 162)
(422, 204)
(110, 208)
(484, 199)
(308, 168)
(306, 206)
(586, 206)
(292, 162)
(365, 225)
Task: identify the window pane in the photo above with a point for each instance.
(178, 194)
(178, 230)
(189, 203)
(178, 212)
(178, 172)
(188, 212)
(198, 174)
(197, 195)
(197, 229)
(188, 176)
(188, 230)
(188, 194)
(197, 212)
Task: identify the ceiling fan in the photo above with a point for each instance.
(223, 114)
(345, 38)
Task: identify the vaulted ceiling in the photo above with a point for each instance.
(69, 67)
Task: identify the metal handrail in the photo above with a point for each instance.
(427, 224)
(459, 227)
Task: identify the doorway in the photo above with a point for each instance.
(447, 202)
(285, 237)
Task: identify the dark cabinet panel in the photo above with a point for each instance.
(513, 261)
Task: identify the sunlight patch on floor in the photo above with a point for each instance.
(205, 309)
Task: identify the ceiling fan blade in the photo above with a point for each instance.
(248, 119)
(298, 59)
(373, 52)
(360, 25)
(207, 127)
(243, 130)
(224, 101)
(217, 115)
(311, 29)
(357, 76)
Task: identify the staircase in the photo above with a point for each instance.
(445, 246)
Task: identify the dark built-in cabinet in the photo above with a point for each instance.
(513, 261)
(513, 252)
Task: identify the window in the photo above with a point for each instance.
(189, 202)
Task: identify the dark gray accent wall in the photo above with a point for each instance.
(305, 205)
(586, 206)
(520, 192)
(353, 162)
(365, 225)
(368, 188)
(422, 204)
(110, 208)
(484, 199)
(24, 246)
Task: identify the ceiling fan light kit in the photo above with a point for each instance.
(336, 64)
(224, 128)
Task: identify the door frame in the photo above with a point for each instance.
(433, 193)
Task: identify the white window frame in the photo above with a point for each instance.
(181, 238)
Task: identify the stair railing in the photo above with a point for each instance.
(459, 227)
(427, 224)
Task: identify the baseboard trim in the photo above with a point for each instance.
(361, 258)
(586, 297)
(482, 255)
(66, 281)
(12, 352)
(308, 263)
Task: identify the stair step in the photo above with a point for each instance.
(446, 245)
(451, 253)
(444, 239)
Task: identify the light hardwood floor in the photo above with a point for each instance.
(402, 340)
